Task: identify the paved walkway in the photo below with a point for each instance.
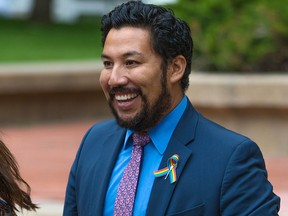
(45, 153)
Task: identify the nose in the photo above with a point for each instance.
(118, 77)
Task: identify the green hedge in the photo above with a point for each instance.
(24, 41)
(235, 35)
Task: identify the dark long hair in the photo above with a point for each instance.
(170, 36)
(14, 190)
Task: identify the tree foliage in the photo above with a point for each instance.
(237, 35)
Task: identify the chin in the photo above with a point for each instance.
(126, 118)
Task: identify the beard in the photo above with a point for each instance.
(150, 113)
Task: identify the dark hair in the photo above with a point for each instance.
(170, 36)
(11, 183)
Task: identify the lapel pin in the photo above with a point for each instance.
(170, 170)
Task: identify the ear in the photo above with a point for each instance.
(177, 68)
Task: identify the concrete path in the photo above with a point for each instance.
(45, 153)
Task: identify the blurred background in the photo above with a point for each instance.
(50, 95)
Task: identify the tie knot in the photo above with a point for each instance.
(140, 139)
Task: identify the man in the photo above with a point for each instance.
(190, 166)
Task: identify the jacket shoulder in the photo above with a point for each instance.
(105, 125)
(220, 134)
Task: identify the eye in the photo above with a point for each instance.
(131, 63)
(107, 64)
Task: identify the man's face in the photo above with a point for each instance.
(132, 79)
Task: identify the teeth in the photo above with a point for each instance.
(125, 97)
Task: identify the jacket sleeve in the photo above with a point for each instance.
(70, 206)
(245, 188)
(70, 203)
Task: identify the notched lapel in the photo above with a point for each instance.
(183, 135)
(162, 190)
(109, 151)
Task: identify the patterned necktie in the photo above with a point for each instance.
(127, 188)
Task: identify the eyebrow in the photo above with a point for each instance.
(125, 55)
(132, 53)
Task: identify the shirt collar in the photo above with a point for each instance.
(162, 132)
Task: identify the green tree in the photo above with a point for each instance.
(237, 35)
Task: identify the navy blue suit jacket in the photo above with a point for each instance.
(219, 172)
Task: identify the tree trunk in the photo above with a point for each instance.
(41, 11)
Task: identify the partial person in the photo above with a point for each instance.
(189, 164)
(14, 190)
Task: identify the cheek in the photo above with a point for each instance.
(154, 89)
(103, 80)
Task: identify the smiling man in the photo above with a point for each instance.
(134, 81)
(160, 156)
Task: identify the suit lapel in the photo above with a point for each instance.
(109, 152)
(162, 189)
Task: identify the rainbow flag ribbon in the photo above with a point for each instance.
(169, 170)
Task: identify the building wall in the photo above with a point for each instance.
(254, 105)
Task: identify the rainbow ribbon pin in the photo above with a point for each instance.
(170, 169)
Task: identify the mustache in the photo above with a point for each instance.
(122, 89)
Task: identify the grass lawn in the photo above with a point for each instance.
(22, 41)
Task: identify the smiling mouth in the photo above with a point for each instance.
(122, 94)
(125, 97)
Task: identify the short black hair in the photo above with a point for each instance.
(170, 36)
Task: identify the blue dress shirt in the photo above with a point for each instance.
(153, 153)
